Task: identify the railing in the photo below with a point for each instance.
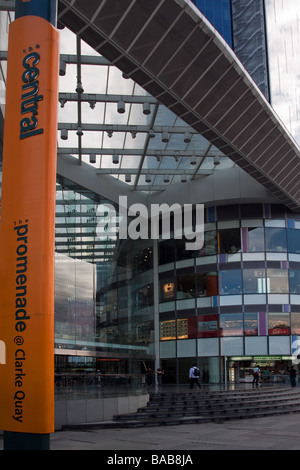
(79, 386)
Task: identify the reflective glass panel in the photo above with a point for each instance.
(251, 324)
(279, 323)
(294, 275)
(254, 281)
(276, 239)
(231, 324)
(277, 281)
(230, 282)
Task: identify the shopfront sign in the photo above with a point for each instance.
(28, 222)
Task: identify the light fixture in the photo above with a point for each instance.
(62, 102)
(148, 178)
(121, 107)
(62, 67)
(110, 133)
(92, 158)
(146, 108)
(183, 178)
(124, 75)
(165, 137)
(115, 158)
(64, 134)
(166, 179)
(92, 101)
(151, 133)
(193, 160)
(217, 161)
(133, 134)
(187, 137)
(79, 88)
(79, 131)
(128, 177)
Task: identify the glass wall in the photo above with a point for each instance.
(237, 296)
(103, 291)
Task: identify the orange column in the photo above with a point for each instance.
(28, 228)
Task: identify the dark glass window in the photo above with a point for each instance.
(255, 240)
(229, 240)
(251, 211)
(210, 244)
(186, 286)
(166, 250)
(206, 284)
(228, 212)
(293, 241)
(275, 239)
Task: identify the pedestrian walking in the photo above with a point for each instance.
(194, 374)
(255, 373)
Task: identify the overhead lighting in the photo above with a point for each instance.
(121, 107)
(128, 177)
(92, 158)
(166, 179)
(217, 161)
(146, 108)
(165, 137)
(64, 134)
(193, 160)
(187, 137)
(183, 178)
(148, 178)
(110, 133)
(62, 67)
(151, 133)
(115, 159)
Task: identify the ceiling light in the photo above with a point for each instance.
(187, 137)
(146, 108)
(148, 178)
(128, 178)
(193, 160)
(183, 178)
(151, 133)
(64, 134)
(62, 67)
(92, 158)
(217, 161)
(115, 159)
(121, 107)
(166, 179)
(165, 137)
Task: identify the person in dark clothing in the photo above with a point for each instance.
(293, 374)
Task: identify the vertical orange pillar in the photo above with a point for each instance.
(28, 227)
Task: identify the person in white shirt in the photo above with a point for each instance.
(256, 372)
(194, 376)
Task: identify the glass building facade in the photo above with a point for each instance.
(123, 305)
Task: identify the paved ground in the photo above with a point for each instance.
(272, 433)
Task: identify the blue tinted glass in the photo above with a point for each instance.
(218, 12)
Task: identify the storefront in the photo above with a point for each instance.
(274, 369)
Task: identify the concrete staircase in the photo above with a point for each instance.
(201, 407)
(173, 408)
